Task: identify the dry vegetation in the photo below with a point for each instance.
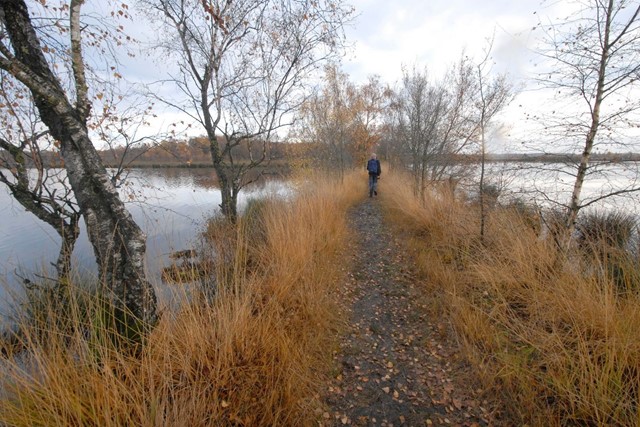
(556, 335)
(255, 354)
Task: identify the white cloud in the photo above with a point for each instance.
(435, 33)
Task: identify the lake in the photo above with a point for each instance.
(171, 205)
(547, 184)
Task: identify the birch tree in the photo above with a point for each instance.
(328, 120)
(492, 94)
(242, 66)
(373, 97)
(594, 67)
(419, 110)
(63, 103)
(433, 121)
(342, 121)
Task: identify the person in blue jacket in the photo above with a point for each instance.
(373, 167)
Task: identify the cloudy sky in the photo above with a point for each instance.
(434, 33)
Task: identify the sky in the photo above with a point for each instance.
(386, 35)
(434, 33)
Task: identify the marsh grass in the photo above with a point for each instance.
(612, 229)
(255, 354)
(552, 334)
(609, 244)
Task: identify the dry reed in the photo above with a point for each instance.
(255, 354)
(552, 333)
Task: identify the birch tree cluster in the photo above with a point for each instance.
(434, 123)
(240, 70)
(342, 121)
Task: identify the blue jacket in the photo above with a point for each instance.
(373, 166)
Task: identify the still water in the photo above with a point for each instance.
(549, 185)
(170, 205)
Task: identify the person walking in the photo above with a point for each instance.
(373, 167)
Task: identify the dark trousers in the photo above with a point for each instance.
(373, 184)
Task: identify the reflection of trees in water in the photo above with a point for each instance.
(205, 177)
(178, 174)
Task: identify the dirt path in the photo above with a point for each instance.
(395, 366)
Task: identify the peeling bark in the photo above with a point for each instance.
(118, 243)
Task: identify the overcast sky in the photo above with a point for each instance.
(433, 33)
(386, 35)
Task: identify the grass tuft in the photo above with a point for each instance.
(553, 335)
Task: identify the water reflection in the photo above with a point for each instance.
(171, 205)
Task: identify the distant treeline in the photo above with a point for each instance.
(190, 153)
(176, 153)
(562, 157)
(195, 153)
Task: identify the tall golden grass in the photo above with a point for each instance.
(254, 354)
(553, 333)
